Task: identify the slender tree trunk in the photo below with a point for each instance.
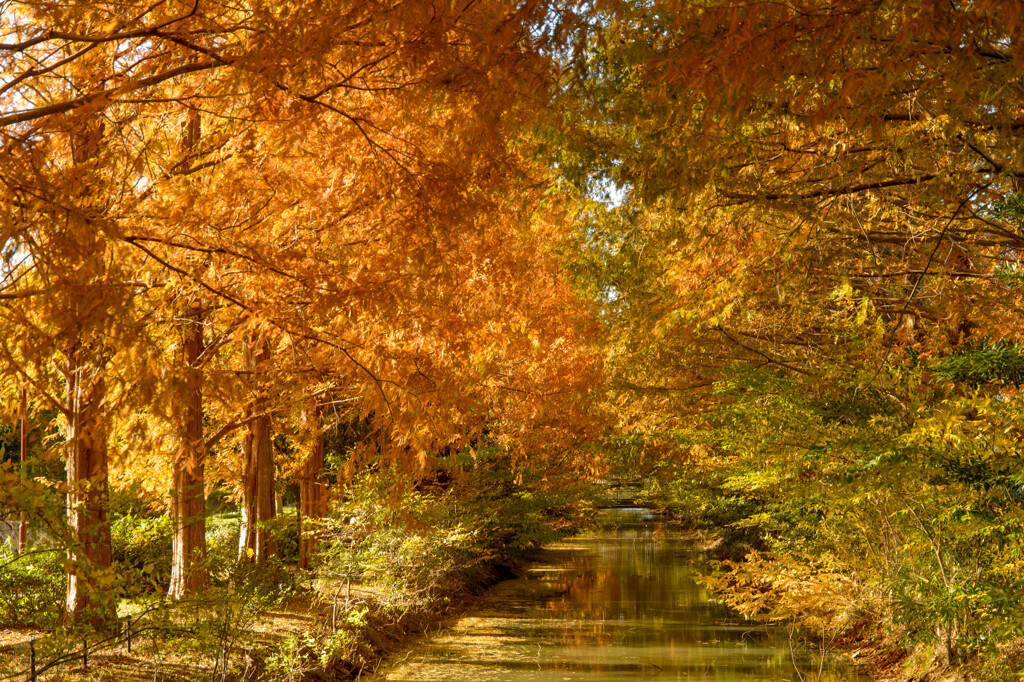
(188, 496)
(188, 499)
(255, 542)
(263, 449)
(89, 571)
(246, 534)
(23, 410)
(312, 492)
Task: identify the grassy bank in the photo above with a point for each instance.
(390, 564)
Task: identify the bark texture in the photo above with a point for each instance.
(312, 492)
(86, 453)
(188, 499)
(89, 571)
(256, 542)
(23, 416)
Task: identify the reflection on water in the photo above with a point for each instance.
(620, 604)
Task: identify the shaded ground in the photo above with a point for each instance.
(305, 636)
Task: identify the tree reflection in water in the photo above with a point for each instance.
(620, 604)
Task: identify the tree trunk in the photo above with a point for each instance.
(188, 499)
(312, 492)
(256, 542)
(90, 577)
(23, 414)
(89, 573)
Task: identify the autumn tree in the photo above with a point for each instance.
(188, 496)
(66, 288)
(337, 201)
(312, 503)
(86, 405)
(258, 506)
(817, 221)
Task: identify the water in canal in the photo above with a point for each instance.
(610, 605)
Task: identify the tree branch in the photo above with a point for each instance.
(62, 107)
(774, 361)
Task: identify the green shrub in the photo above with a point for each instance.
(435, 540)
(222, 543)
(999, 363)
(266, 583)
(285, 530)
(32, 588)
(141, 551)
(222, 533)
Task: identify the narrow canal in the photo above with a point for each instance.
(616, 604)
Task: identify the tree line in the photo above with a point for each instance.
(229, 224)
(766, 255)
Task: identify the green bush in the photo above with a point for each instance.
(435, 540)
(222, 543)
(222, 533)
(32, 588)
(141, 551)
(999, 363)
(265, 584)
(285, 530)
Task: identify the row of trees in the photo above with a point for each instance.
(227, 226)
(223, 222)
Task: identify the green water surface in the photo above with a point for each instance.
(619, 604)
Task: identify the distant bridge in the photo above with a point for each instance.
(621, 494)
